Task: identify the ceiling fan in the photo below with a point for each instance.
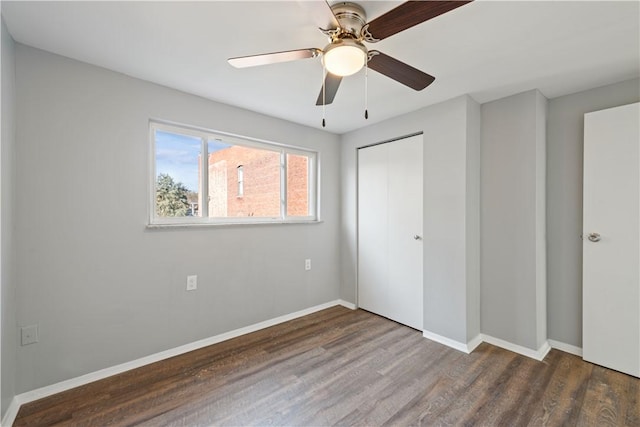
(346, 26)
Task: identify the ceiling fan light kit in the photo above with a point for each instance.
(344, 57)
(346, 26)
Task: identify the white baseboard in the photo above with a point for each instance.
(539, 354)
(567, 348)
(471, 345)
(12, 412)
(347, 304)
(456, 345)
(525, 351)
(475, 342)
(49, 390)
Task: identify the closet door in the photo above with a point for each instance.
(390, 263)
(611, 239)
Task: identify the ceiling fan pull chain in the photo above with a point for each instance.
(366, 91)
(324, 104)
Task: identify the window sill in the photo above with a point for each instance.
(159, 226)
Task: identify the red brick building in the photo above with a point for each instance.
(245, 181)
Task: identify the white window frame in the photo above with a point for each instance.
(205, 136)
(240, 175)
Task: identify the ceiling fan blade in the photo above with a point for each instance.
(399, 71)
(407, 15)
(331, 85)
(320, 12)
(272, 58)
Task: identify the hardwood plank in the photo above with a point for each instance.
(431, 403)
(606, 400)
(563, 397)
(345, 367)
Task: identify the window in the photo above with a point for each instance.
(203, 177)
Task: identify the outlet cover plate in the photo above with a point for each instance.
(192, 283)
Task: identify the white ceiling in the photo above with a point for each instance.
(487, 49)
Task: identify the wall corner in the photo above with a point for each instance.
(472, 218)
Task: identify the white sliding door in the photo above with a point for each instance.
(611, 239)
(390, 230)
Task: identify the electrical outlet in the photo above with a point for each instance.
(192, 283)
(307, 264)
(29, 334)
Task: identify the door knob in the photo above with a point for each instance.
(416, 237)
(593, 237)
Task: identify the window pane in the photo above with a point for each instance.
(225, 180)
(243, 181)
(297, 185)
(177, 170)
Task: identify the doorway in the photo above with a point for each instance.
(390, 224)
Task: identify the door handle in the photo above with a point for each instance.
(594, 237)
(416, 237)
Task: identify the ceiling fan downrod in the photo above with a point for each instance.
(324, 93)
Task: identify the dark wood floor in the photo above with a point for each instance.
(346, 367)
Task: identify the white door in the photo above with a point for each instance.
(390, 230)
(611, 239)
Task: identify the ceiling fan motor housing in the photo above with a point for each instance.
(351, 18)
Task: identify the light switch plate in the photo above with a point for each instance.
(29, 334)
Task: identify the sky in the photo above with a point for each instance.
(177, 155)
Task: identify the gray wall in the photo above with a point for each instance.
(564, 202)
(513, 306)
(451, 236)
(103, 288)
(9, 341)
